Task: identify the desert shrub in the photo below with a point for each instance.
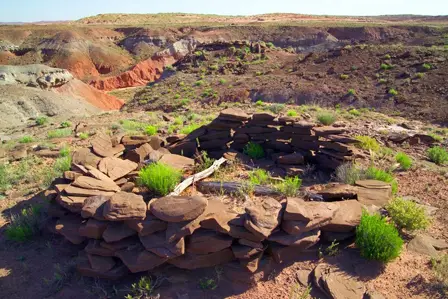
(143, 289)
(381, 175)
(213, 67)
(41, 120)
(159, 178)
(222, 81)
(291, 113)
(344, 77)
(270, 45)
(276, 108)
(151, 130)
(368, 143)
(354, 112)
(24, 225)
(382, 81)
(348, 173)
(407, 214)
(59, 133)
(420, 75)
(258, 73)
(326, 118)
(199, 83)
(426, 66)
(290, 186)
(436, 137)
(83, 136)
(393, 92)
(438, 155)
(440, 267)
(385, 66)
(254, 150)
(387, 56)
(259, 177)
(203, 161)
(64, 151)
(377, 239)
(184, 102)
(259, 103)
(351, 92)
(66, 124)
(26, 139)
(404, 160)
(177, 96)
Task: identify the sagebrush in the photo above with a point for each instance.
(407, 214)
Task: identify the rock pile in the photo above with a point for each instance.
(289, 142)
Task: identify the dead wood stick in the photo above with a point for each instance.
(197, 177)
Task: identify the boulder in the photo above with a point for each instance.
(72, 203)
(233, 114)
(71, 175)
(299, 210)
(195, 261)
(134, 140)
(84, 156)
(372, 192)
(325, 131)
(302, 241)
(157, 142)
(94, 172)
(263, 117)
(178, 208)
(94, 247)
(138, 259)
(157, 244)
(116, 168)
(93, 207)
(127, 187)
(68, 226)
(125, 206)
(263, 217)
(207, 241)
(117, 231)
(93, 229)
(147, 226)
(293, 159)
(339, 285)
(101, 263)
(139, 154)
(84, 267)
(185, 147)
(346, 218)
(337, 192)
(76, 191)
(425, 245)
(102, 146)
(95, 184)
(176, 161)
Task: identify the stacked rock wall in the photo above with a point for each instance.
(288, 141)
(126, 230)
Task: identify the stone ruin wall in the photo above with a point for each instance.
(125, 230)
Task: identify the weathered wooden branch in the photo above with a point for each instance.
(232, 188)
(197, 177)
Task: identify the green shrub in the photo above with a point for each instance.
(436, 137)
(426, 66)
(382, 81)
(387, 56)
(59, 133)
(344, 77)
(24, 225)
(270, 45)
(259, 177)
(259, 103)
(377, 239)
(41, 120)
(276, 108)
(66, 124)
(26, 139)
(438, 155)
(222, 81)
(354, 112)
(381, 175)
(64, 151)
(199, 83)
(326, 118)
(177, 96)
(420, 75)
(348, 173)
(150, 130)
(290, 186)
(258, 73)
(190, 128)
(83, 136)
(254, 150)
(351, 92)
(407, 214)
(184, 102)
(404, 160)
(143, 289)
(385, 66)
(159, 178)
(393, 92)
(213, 67)
(291, 113)
(368, 143)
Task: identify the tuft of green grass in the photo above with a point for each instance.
(290, 186)
(393, 92)
(404, 160)
(24, 226)
(374, 173)
(351, 92)
(199, 83)
(207, 284)
(59, 133)
(427, 66)
(382, 81)
(66, 124)
(354, 112)
(407, 214)
(151, 130)
(436, 137)
(276, 108)
(41, 120)
(348, 173)
(420, 75)
(160, 178)
(83, 136)
(326, 118)
(222, 81)
(259, 177)
(190, 128)
(203, 162)
(368, 143)
(377, 239)
(292, 113)
(254, 150)
(259, 103)
(385, 66)
(387, 56)
(438, 155)
(26, 139)
(344, 77)
(184, 102)
(143, 289)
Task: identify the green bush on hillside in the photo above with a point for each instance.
(407, 214)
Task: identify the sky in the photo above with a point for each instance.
(54, 10)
